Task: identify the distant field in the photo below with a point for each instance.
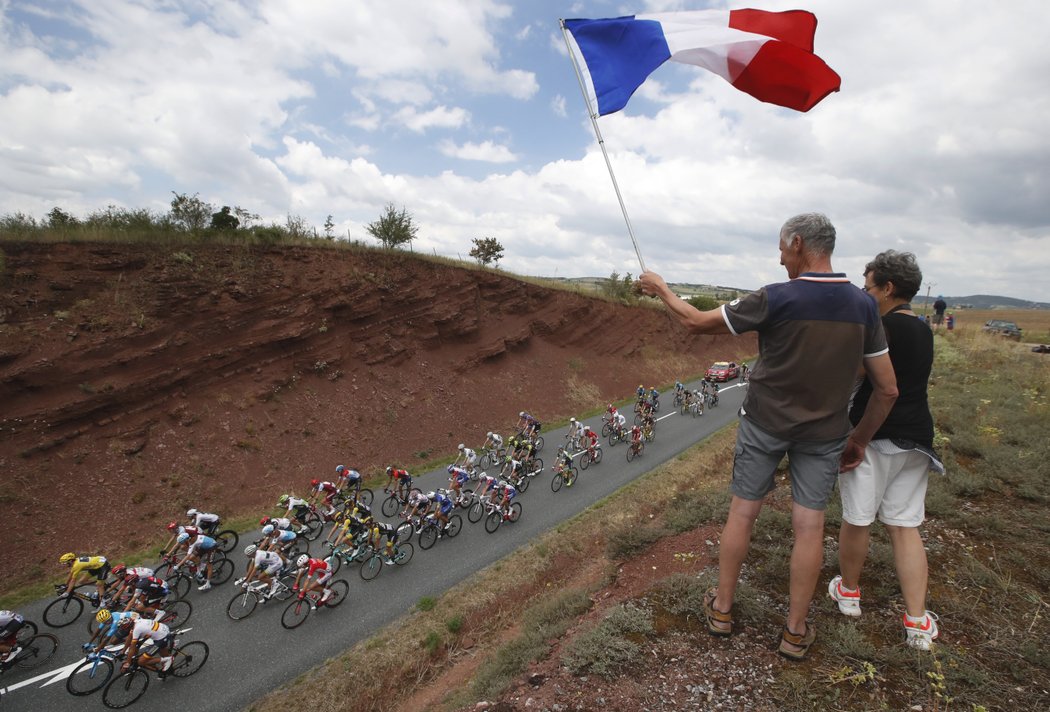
(1034, 322)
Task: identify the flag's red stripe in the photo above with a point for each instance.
(785, 75)
(796, 27)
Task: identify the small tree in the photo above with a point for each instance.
(224, 220)
(393, 228)
(59, 218)
(329, 226)
(703, 302)
(244, 217)
(487, 250)
(189, 212)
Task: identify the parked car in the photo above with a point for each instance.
(722, 371)
(1041, 349)
(1008, 329)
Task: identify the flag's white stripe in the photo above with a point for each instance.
(704, 38)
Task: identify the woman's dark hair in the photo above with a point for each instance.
(900, 268)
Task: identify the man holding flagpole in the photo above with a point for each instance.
(817, 332)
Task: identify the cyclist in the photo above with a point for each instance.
(404, 481)
(10, 624)
(106, 633)
(508, 492)
(457, 478)
(264, 566)
(654, 398)
(124, 580)
(298, 508)
(744, 371)
(679, 387)
(610, 413)
(528, 425)
(382, 529)
(278, 522)
(205, 521)
(159, 660)
(279, 540)
(487, 484)
(493, 441)
(417, 504)
(197, 548)
(563, 464)
(348, 478)
(470, 458)
(175, 528)
(352, 527)
(619, 422)
(575, 433)
(636, 438)
(150, 593)
(648, 423)
(512, 469)
(318, 573)
(443, 505)
(640, 392)
(89, 566)
(590, 441)
(714, 394)
(327, 490)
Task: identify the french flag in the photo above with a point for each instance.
(768, 55)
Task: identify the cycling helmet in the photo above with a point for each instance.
(128, 620)
(172, 526)
(521, 414)
(572, 420)
(390, 470)
(339, 469)
(191, 512)
(183, 537)
(488, 434)
(302, 561)
(451, 469)
(67, 558)
(264, 521)
(282, 500)
(431, 495)
(267, 530)
(119, 570)
(314, 483)
(103, 615)
(250, 550)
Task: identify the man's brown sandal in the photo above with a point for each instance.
(802, 642)
(718, 623)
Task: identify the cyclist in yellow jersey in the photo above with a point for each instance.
(88, 566)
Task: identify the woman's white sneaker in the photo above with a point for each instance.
(921, 632)
(849, 601)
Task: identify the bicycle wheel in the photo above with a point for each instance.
(125, 689)
(455, 523)
(538, 442)
(428, 537)
(296, 613)
(340, 590)
(335, 561)
(36, 650)
(365, 497)
(493, 521)
(314, 524)
(585, 460)
(597, 455)
(221, 572)
(371, 568)
(242, 605)
(557, 482)
(650, 435)
(515, 512)
(285, 580)
(638, 419)
(573, 474)
(613, 439)
(390, 506)
(484, 463)
(189, 658)
(63, 611)
(631, 454)
(537, 464)
(476, 512)
(179, 584)
(523, 483)
(227, 540)
(466, 498)
(163, 571)
(176, 613)
(403, 553)
(606, 429)
(89, 676)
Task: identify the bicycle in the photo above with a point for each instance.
(227, 538)
(65, 609)
(431, 530)
(394, 501)
(591, 456)
(296, 612)
(649, 432)
(347, 498)
(635, 450)
(500, 514)
(521, 482)
(678, 399)
(127, 687)
(565, 475)
(360, 551)
(36, 650)
(92, 675)
(374, 564)
(180, 581)
(491, 457)
(618, 435)
(244, 603)
(174, 614)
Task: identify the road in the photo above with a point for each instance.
(252, 657)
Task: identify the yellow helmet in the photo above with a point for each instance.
(67, 558)
(103, 615)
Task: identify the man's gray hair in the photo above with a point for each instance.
(816, 231)
(901, 268)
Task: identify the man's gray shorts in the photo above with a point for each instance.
(814, 466)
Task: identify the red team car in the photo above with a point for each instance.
(722, 371)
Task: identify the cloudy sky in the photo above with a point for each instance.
(468, 114)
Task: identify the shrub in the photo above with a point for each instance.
(610, 645)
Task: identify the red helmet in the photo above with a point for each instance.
(314, 483)
(264, 521)
(119, 570)
(172, 526)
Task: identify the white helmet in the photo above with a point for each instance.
(521, 414)
(182, 537)
(267, 530)
(461, 446)
(250, 550)
(302, 561)
(572, 420)
(191, 512)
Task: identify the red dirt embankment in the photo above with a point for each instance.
(136, 381)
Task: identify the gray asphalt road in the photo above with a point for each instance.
(256, 655)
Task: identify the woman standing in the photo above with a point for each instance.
(891, 481)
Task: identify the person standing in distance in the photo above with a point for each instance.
(817, 331)
(939, 307)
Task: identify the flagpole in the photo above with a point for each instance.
(601, 142)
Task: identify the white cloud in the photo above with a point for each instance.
(486, 151)
(438, 117)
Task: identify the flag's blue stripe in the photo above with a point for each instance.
(620, 53)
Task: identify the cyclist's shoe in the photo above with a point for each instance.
(239, 581)
(920, 634)
(328, 545)
(849, 601)
(200, 577)
(204, 586)
(94, 600)
(11, 655)
(165, 663)
(389, 561)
